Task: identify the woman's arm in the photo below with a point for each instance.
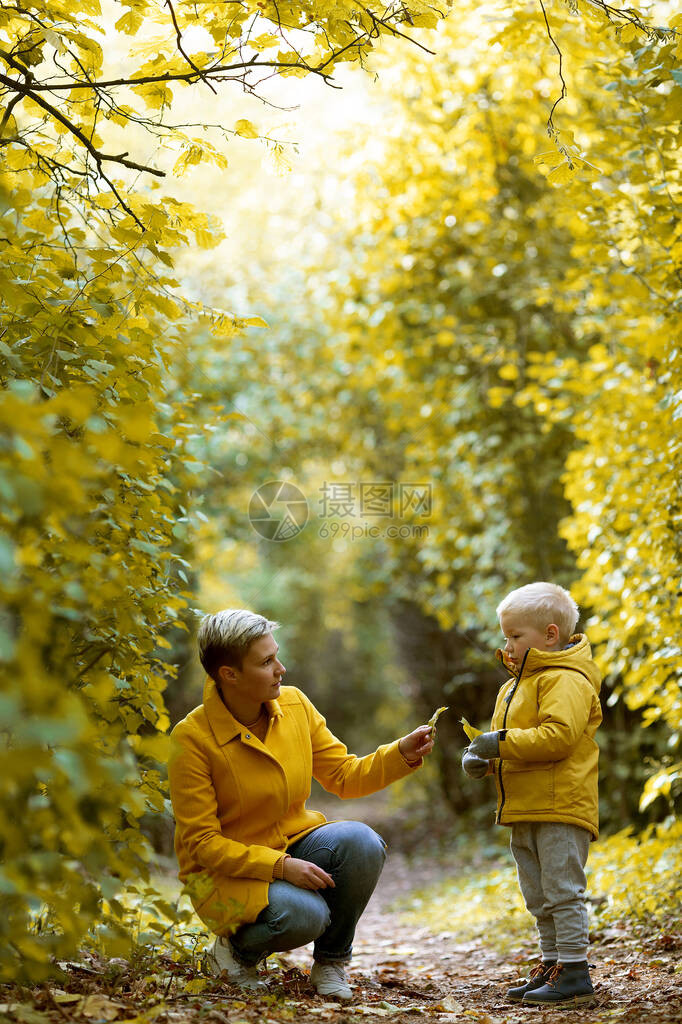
(349, 776)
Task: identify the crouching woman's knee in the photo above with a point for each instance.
(360, 846)
(298, 919)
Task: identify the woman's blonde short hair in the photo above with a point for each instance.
(224, 638)
(541, 604)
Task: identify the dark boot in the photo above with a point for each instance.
(567, 983)
(536, 979)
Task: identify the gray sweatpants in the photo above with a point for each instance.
(550, 860)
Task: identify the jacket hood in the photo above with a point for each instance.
(577, 658)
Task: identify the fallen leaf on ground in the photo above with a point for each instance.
(65, 997)
(376, 1011)
(449, 1005)
(196, 985)
(99, 1006)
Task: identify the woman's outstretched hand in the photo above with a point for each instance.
(417, 744)
(306, 875)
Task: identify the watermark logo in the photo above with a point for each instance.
(278, 510)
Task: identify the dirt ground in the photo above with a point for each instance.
(421, 974)
(399, 973)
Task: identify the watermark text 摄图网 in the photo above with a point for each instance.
(376, 499)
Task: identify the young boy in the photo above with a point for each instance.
(543, 755)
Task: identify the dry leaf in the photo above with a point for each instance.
(99, 1006)
(60, 996)
(375, 1011)
(469, 729)
(196, 985)
(449, 1005)
(434, 718)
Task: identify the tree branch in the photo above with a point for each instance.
(551, 130)
(99, 157)
(8, 112)
(189, 60)
(191, 77)
(91, 664)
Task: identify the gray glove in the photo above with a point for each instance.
(486, 745)
(475, 767)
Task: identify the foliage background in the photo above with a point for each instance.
(454, 297)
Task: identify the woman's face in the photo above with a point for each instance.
(260, 676)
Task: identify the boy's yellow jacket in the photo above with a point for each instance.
(239, 803)
(547, 717)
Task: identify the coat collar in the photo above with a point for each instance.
(223, 723)
(575, 655)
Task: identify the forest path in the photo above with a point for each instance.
(404, 974)
(400, 972)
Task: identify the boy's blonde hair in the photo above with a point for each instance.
(541, 604)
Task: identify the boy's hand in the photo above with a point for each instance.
(475, 767)
(417, 744)
(486, 745)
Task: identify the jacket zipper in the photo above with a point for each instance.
(504, 726)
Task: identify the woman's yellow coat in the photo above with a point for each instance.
(239, 803)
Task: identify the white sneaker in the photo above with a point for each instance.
(222, 961)
(330, 980)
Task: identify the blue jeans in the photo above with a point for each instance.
(353, 854)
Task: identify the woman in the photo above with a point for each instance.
(263, 872)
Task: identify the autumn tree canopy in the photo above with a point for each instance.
(97, 477)
(497, 312)
(507, 309)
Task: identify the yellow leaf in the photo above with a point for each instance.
(136, 422)
(99, 1006)
(470, 730)
(246, 129)
(206, 239)
(60, 996)
(561, 174)
(196, 985)
(434, 718)
(157, 746)
(628, 33)
(498, 396)
(449, 1005)
(129, 23)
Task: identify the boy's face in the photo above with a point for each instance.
(520, 634)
